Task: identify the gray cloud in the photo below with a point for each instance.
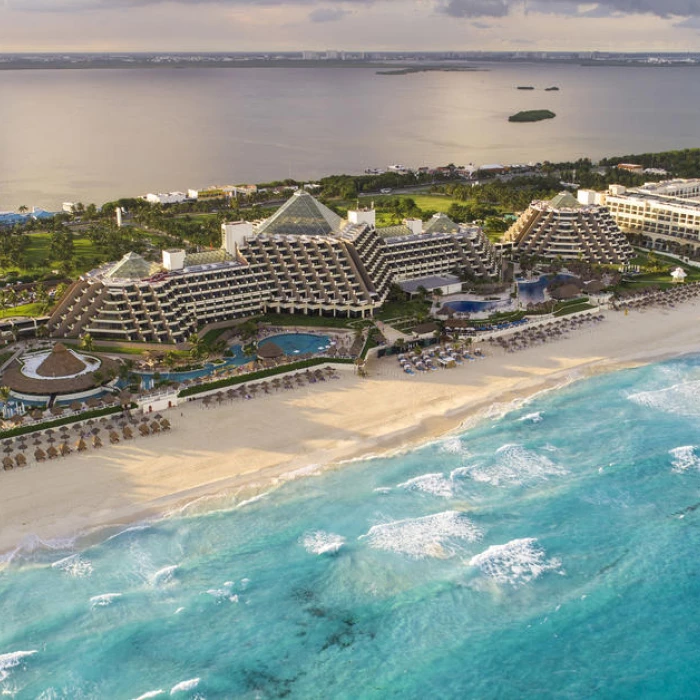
(328, 14)
(475, 8)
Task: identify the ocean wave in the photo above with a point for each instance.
(252, 499)
(435, 484)
(515, 465)
(321, 542)
(12, 660)
(684, 458)
(516, 563)
(680, 399)
(183, 686)
(452, 445)
(223, 593)
(164, 576)
(102, 601)
(439, 536)
(150, 694)
(532, 418)
(74, 565)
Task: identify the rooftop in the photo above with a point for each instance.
(302, 214)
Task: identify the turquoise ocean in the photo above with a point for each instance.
(550, 552)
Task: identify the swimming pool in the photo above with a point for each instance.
(475, 307)
(299, 343)
(533, 292)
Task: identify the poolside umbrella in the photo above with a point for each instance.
(108, 399)
(64, 449)
(92, 403)
(124, 397)
(52, 452)
(17, 419)
(56, 410)
(21, 460)
(75, 406)
(270, 351)
(8, 463)
(39, 455)
(36, 414)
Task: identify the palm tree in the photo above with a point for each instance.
(198, 348)
(4, 393)
(87, 343)
(23, 209)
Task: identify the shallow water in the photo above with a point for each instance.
(548, 553)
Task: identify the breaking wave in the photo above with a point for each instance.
(514, 465)
(184, 686)
(684, 458)
(435, 484)
(102, 601)
(516, 563)
(12, 660)
(74, 565)
(438, 536)
(680, 399)
(321, 542)
(150, 694)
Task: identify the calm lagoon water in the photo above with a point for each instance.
(112, 133)
(548, 553)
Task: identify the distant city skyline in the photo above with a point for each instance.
(369, 25)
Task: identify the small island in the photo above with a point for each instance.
(525, 87)
(551, 89)
(429, 69)
(533, 115)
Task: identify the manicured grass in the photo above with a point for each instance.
(126, 350)
(4, 357)
(39, 244)
(403, 309)
(573, 308)
(28, 310)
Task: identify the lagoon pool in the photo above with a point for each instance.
(475, 307)
(299, 343)
(534, 292)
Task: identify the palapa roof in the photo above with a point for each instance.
(302, 215)
(270, 351)
(62, 362)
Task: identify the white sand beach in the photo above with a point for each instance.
(244, 447)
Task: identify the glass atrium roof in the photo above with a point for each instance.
(131, 267)
(440, 223)
(302, 215)
(565, 200)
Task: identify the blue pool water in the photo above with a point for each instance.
(533, 292)
(473, 307)
(299, 343)
(548, 553)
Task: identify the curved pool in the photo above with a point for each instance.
(299, 343)
(475, 307)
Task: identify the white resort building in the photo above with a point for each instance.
(565, 228)
(664, 216)
(304, 259)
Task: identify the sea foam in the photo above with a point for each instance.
(514, 466)
(164, 576)
(516, 563)
(684, 458)
(102, 601)
(321, 542)
(74, 565)
(435, 484)
(150, 694)
(439, 536)
(184, 686)
(8, 661)
(680, 399)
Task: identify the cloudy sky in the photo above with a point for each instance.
(253, 25)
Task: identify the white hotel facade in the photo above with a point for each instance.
(663, 216)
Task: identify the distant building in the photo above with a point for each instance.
(68, 207)
(631, 167)
(566, 229)
(166, 197)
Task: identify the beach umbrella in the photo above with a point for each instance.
(143, 429)
(64, 449)
(155, 427)
(165, 424)
(127, 433)
(114, 438)
(145, 419)
(37, 440)
(21, 460)
(81, 445)
(52, 452)
(207, 401)
(8, 463)
(96, 442)
(39, 455)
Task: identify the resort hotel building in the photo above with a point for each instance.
(664, 216)
(304, 259)
(564, 228)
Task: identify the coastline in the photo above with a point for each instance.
(222, 457)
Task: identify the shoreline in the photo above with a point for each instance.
(226, 456)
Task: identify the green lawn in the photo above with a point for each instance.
(37, 258)
(403, 309)
(28, 310)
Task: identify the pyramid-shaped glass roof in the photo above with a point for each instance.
(565, 200)
(440, 223)
(131, 267)
(302, 215)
